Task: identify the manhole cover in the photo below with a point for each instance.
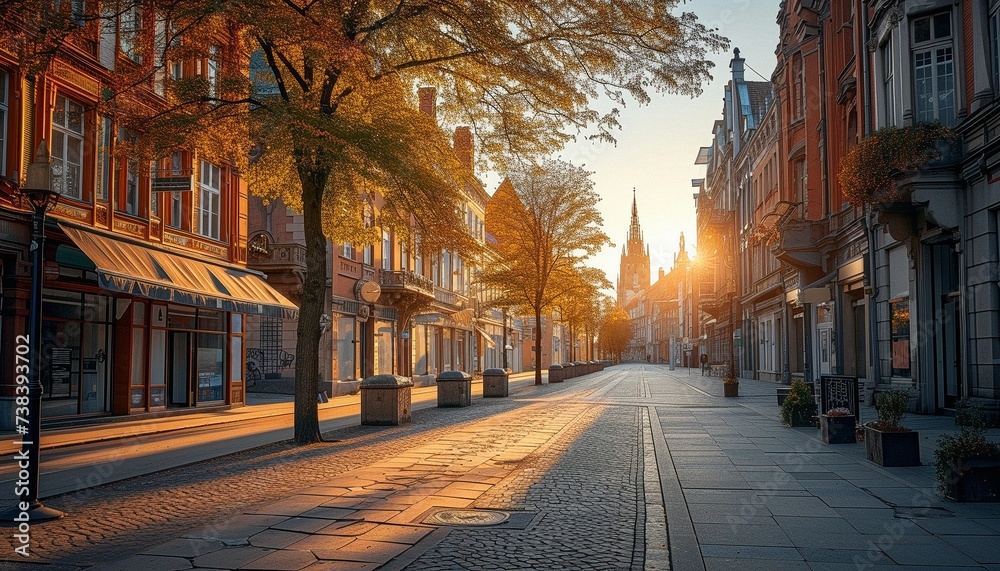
(467, 517)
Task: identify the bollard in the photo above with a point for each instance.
(495, 383)
(385, 400)
(454, 388)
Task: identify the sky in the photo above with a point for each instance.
(658, 142)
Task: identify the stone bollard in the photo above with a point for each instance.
(454, 388)
(385, 400)
(555, 373)
(569, 370)
(495, 383)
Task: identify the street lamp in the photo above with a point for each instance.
(37, 190)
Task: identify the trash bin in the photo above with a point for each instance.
(555, 373)
(454, 388)
(385, 400)
(495, 383)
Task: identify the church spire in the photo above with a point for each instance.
(634, 233)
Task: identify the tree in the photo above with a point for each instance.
(546, 223)
(329, 111)
(615, 333)
(579, 307)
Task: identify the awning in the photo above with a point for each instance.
(486, 337)
(149, 272)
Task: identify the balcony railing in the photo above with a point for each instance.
(291, 254)
(405, 280)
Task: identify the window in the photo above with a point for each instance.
(386, 251)
(212, 71)
(76, 10)
(67, 148)
(174, 166)
(348, 251)
(4, 102)
(404, 255)
(104, 159)
(210, 199)
(801, 178)
(798, 87)
(131, 188)
(129, 31)
(368, 255)
(934, 69)
(127, 199)
(994, 44)
(888, 85)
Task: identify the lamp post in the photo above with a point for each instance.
(37, 190)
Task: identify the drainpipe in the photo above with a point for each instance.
(873, 349)
(870, 272)
(866, 93)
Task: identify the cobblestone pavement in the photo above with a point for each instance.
(108, 523)
(583, 493)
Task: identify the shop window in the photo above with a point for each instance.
(211, 363)
(934, 69)
(899, 330)
(67, 148)
(345, 364)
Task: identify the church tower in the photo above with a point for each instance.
(633, 273)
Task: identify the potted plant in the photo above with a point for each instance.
(731, 384)
(868, 172)
(967, 464)
(887, 442)
(799, 407)
(838, 426)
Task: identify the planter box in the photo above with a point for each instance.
(974, 480)
(731, 389)
(782, 393)
(838, 429)
(892, 449)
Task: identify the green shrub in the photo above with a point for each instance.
(891, 407)
(970, 442)
(799, 406)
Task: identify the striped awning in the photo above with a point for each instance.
(146, 271)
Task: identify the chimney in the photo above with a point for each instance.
(661, 273)
(736, 64)
(428, 101)
(464, 148)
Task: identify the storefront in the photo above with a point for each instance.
(128, 327)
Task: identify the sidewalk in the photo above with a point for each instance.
(259, 405)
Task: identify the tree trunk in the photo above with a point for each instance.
(313, 295)
(539, 331)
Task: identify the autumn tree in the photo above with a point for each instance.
(579, 306)
(329, 109)
(546, 223)
(615, 333)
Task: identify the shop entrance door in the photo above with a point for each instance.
(180, 368)
(96, 358)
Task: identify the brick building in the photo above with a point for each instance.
(146, 292)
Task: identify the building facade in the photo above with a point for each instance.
(146, 293)
(898, 293)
